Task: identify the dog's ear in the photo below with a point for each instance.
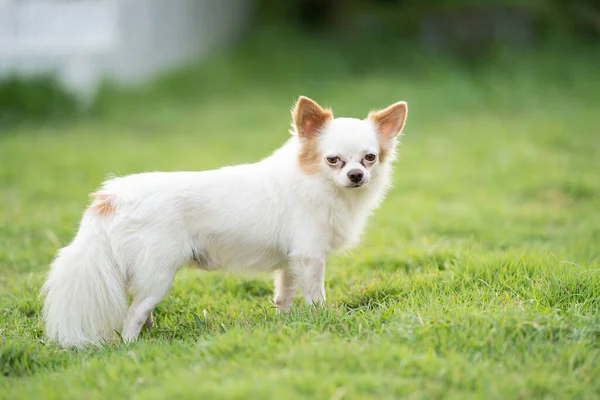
(390, 121)
(309, 117)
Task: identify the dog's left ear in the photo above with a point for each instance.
(309, 117)
(390, 121)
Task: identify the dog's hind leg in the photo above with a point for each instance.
(148, 290)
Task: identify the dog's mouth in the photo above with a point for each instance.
(354, 185)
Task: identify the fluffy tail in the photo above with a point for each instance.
(85, 291)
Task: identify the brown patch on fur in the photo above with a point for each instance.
(103, 204)
(389, 123)
(309, 119)
(386, 151)
(309, 157)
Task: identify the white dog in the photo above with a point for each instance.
(285, 213)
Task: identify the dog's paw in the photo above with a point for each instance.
(282, 306)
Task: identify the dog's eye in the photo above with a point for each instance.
(370, 157)
(333, 160)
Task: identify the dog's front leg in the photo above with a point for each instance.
(284, 290)
(309, 276)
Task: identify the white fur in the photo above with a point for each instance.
(267, 216)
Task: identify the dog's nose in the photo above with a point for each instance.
(355, 175)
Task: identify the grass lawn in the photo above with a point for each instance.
(479, 277)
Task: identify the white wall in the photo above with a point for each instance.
(83, 41)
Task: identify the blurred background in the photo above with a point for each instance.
(64, 57)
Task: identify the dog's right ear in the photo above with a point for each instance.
(309, 117)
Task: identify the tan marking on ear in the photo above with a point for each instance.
(389, 123)
(309, 119)
(103, 204)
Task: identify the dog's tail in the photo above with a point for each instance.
(85, 291)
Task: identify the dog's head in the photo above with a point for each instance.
(347, 150)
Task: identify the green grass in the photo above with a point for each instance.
(478, 277)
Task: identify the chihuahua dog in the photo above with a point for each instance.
(284, 214)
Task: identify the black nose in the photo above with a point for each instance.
(355, 175)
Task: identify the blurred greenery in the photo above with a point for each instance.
(35, 97)
(365, 34)
(579, 17)
(477, 278)
(469, 31)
